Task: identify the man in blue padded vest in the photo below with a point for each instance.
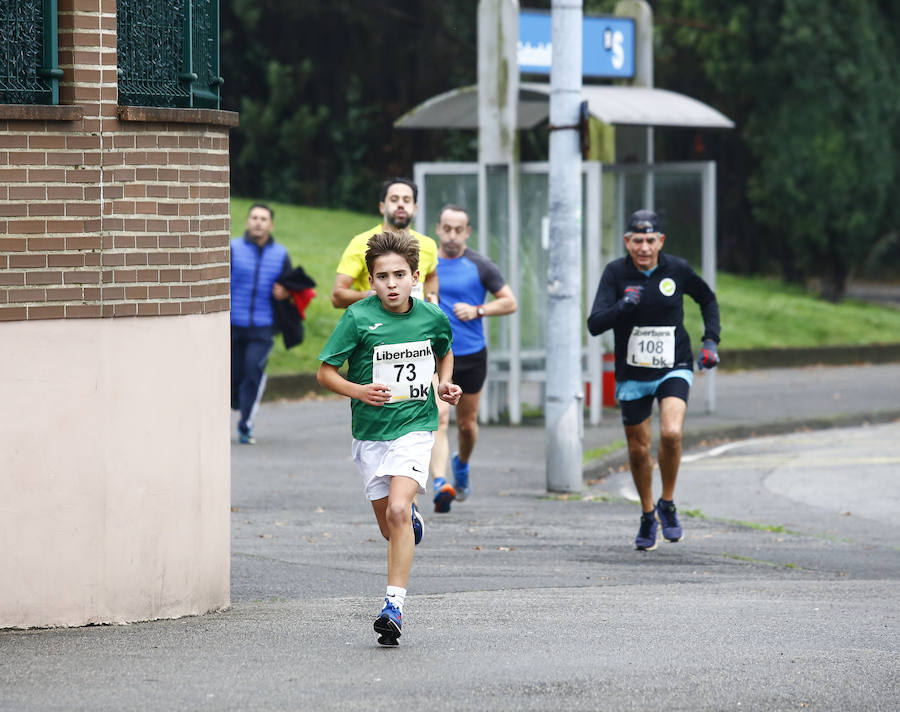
(257, 261)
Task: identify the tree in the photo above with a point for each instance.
(319, 84)
(813, 87)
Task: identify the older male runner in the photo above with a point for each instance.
(640, 299)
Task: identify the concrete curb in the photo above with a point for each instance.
(292, 386)
(746, 359)
(603, 466)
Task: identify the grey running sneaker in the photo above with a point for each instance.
(646, 538)
(671, 528)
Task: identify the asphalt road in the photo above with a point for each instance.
(776, 599)
(840, 484)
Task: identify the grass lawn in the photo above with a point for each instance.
(756, 312)
(762, 312)
(315, 239)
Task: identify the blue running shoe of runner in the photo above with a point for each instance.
(646, 538)
(418, 524)
(246, 438)
(387, 625)
(444, 494)
(671, 528)
(461, 478)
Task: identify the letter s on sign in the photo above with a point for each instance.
(618, 52)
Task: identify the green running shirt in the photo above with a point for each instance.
(403, 346)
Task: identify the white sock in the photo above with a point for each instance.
(397, 596)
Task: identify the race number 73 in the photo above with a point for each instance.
(407, 368)
(651, 347)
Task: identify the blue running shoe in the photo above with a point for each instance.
(444, 494)
(461, 478)
(246, 438)
(387, 625)
(671, 528)
(418, 524)
(646, 538)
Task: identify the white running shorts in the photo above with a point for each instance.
(379, 460)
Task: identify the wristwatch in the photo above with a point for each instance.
(480, 310)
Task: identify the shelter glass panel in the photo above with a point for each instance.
(679, 203)
(497, 246)
(440, 189)
(534, 246)
(674, 192)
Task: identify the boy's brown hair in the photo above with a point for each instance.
(388, 243)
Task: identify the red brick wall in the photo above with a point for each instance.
(106, 217)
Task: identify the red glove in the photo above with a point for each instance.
(709, 355)
(632, 296)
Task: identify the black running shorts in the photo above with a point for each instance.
(469, 371)
(635, 412)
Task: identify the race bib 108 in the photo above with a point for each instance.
(406, 368)
(651, 347)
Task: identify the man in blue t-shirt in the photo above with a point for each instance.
(257, 261)
(466, 277)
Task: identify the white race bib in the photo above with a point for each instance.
(651, 347)
(406, 368)
(418, 291)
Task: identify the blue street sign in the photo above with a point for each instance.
(607, 49)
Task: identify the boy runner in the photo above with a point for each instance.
(391, 342)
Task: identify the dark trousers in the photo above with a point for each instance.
(250, 347)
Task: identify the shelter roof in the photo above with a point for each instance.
(620, 105)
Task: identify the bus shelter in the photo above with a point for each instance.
(508, 205)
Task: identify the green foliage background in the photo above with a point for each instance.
(806, 181)
(319, 83)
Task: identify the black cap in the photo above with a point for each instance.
(643, 221)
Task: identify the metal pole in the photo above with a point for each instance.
(486, 406)
(514, 319)
(564, 405)
(593, 268)
(709, 258)
(498, 97)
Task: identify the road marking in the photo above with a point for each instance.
(772, 461)
(716, 451)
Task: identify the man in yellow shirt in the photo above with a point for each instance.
(398, 206)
